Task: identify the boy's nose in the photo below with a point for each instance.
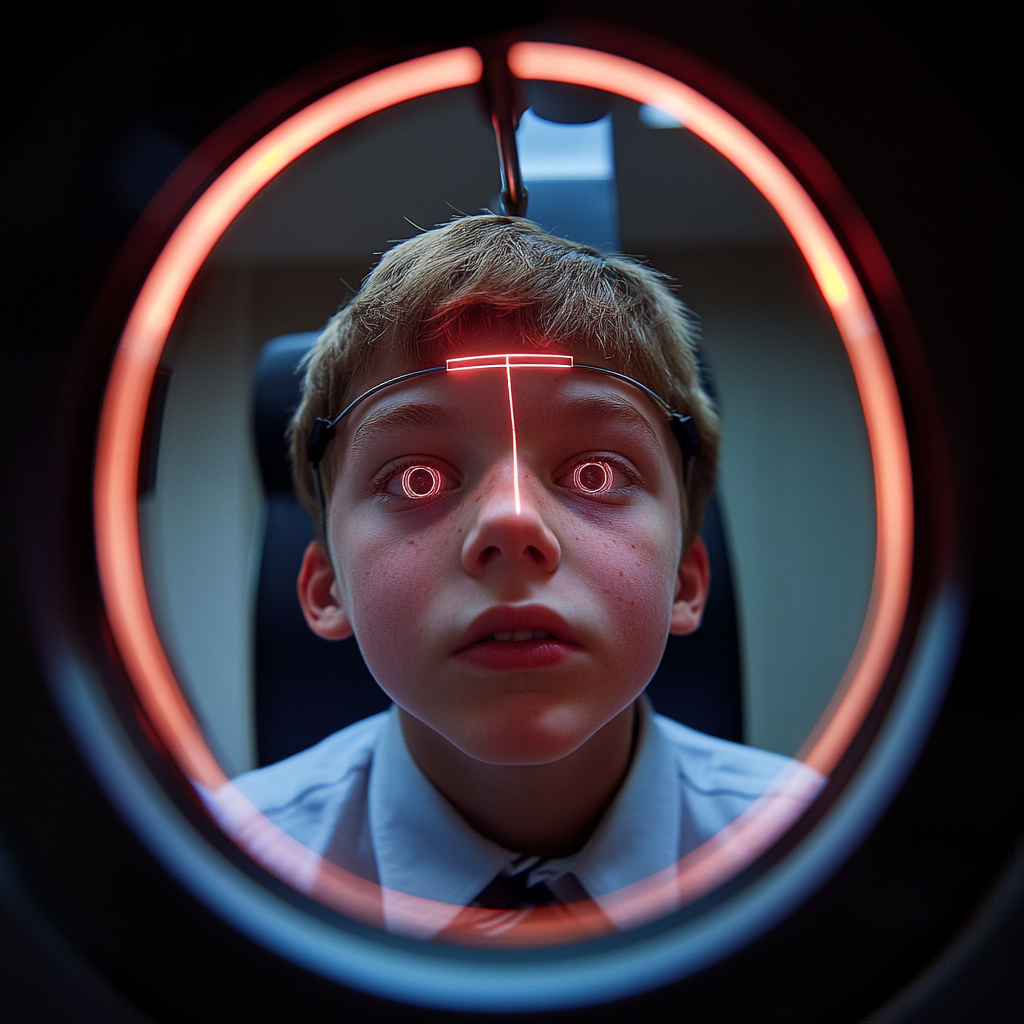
(502, 536)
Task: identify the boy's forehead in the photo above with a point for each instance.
(549, 401)
(389, 363)
(553, 398)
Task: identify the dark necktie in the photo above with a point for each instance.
(512, 892)
(510, 912)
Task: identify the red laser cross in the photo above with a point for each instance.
(506, 361)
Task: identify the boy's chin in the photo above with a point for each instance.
(532, 737)
(520, 751)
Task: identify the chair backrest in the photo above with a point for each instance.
(307, 688)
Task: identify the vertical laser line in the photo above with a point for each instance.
(512, 416)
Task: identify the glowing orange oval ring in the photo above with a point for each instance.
(142, 342)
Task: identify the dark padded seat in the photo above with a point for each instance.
(307, 688)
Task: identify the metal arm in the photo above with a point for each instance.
(500, 96)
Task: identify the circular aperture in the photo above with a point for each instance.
(136, 365)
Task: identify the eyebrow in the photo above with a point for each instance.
(597, 407)
(552, 418)
(400, 417)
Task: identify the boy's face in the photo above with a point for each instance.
(514, 635)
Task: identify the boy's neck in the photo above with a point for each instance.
(547, 810)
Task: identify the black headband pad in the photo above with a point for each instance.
(320, 436)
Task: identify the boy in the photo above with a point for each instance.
(511, 546)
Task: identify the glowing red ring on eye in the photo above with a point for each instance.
(586, 485)
(410, 489)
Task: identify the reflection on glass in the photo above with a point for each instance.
(384, 801)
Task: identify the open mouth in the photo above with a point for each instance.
(517, 639)
(519, 635)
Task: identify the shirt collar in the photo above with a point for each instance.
(424, 848)
(422, 844)
(639, 833)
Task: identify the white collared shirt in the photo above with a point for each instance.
(359, 799)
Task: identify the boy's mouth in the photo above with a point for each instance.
(515, 638)
(517, 624)
(519, 635)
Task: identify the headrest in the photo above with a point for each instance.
(277, 390)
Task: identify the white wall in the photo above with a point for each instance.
(798, 495)
(200, 525)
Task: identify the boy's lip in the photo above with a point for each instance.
(510, 619)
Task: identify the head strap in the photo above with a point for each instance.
(323, 430)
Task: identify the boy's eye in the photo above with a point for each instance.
(593, 477)
(420, 482)
(596, 476)
(417, 481)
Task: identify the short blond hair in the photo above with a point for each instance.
(506, 272)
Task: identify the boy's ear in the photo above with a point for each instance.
(320, 597)
(692, 585)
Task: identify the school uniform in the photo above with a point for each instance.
(359, 800)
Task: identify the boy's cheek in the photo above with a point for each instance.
(636, 573)
(623, 585)
(391, 589)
